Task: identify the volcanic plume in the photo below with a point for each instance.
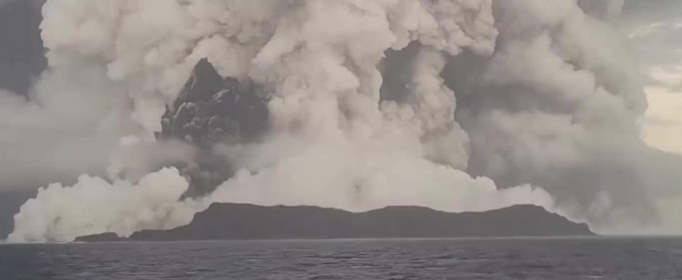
(458, 105)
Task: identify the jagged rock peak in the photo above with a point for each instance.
(202, 84)
(211, 110)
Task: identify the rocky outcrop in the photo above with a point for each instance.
(212, 110)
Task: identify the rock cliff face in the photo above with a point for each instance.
(242, 221)
(212, 110)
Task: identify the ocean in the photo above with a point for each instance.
(524, 258)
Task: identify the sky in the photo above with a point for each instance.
(654, 30)
(570, 114)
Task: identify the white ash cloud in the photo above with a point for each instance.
(93, 205)
(549, 100)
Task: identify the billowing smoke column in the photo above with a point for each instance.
(557, 106)
(542, 97)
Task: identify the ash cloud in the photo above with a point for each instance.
(558, 106)
(451, 104)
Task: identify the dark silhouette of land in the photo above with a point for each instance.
(250, 222)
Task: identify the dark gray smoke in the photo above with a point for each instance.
(213, 111)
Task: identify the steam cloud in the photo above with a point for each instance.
(544, 110)
(95, 206)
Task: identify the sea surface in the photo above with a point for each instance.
(580, 258)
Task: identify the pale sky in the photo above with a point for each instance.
(655, 33)
(663, 121)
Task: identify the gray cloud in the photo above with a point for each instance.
(651, 10)
(556, 106)
(655, 32)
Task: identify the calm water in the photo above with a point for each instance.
(596, 258)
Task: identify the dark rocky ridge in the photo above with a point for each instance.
(249, 222)
(213, 110)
